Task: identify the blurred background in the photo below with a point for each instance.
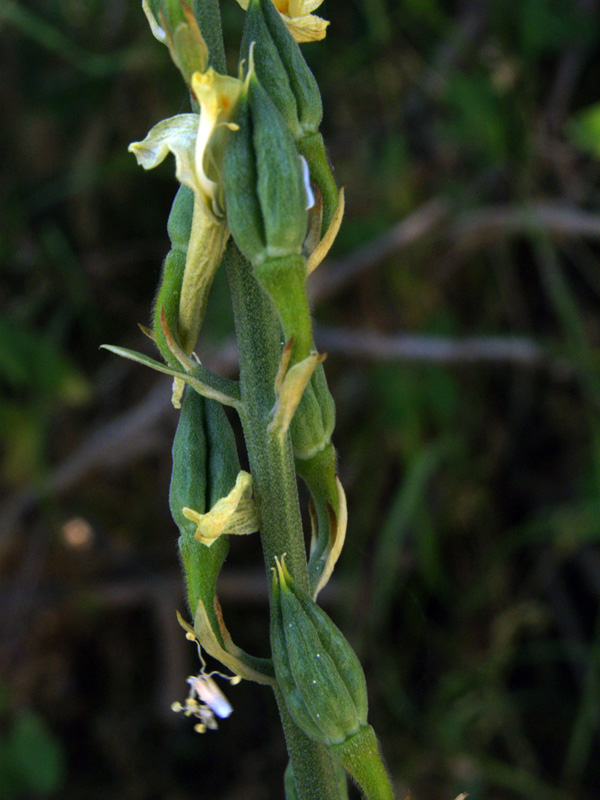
(460, 310)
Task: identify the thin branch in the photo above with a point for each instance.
(553, 218)
(465, 231)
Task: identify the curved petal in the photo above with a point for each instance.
(307, 28)
(175, 135)
(233, 514)
(299, 8)
(218, 96)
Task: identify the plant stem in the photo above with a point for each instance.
(276, 494)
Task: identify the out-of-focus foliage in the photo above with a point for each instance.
(470, 582)
(31, 760)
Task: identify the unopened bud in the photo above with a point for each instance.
(319, 674)
(282, 69)
(265, 195)
(205, 466)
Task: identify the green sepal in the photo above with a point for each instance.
(208, 15)
(179, 223)
(361, 758)
(280, 187)
(265, 195)
(320, 677)
(205, 467)
(282, 69)
(240, 178)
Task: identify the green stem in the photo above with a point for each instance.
(276, 493)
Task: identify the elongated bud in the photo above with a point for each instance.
(265, 195)
(169, 290)
(319, 675)
(282, 69)
(323, 685)
(205, 466)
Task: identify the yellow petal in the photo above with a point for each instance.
(290, 390)
(218, 96)
(234, 514)
(175, 135)
(301, 23)
(307, 28)
(337, 536)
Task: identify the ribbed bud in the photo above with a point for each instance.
(282, 69)
(320, 677)
(314, 420)
(205, 467)
(265, 195)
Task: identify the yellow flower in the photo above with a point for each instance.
(301, 23)
(217, 96)
(197, 142)
(194, 138)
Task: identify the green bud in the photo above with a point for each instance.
(314, 420)
(282, 69)
(265, 195)
(205, 467)
(319, 674)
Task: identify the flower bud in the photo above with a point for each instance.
(320, 677)
(282, 69)
(205, 466)
(265, 196)
(314, 420)
(173, 23)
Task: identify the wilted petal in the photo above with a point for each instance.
(234, 514)
(307, 28)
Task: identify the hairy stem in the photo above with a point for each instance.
(276, 494)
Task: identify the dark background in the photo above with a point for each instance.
(460, 311)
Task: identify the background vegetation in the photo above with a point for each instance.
(460, 310)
